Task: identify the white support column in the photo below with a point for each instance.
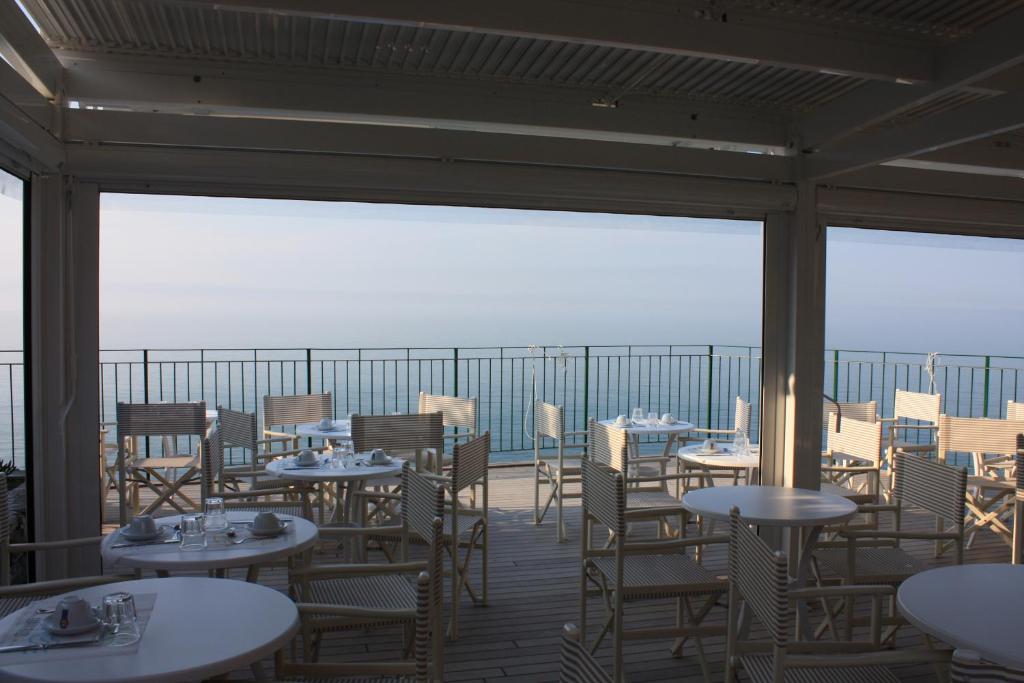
(793, 345)
(64, 328)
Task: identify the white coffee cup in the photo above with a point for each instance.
(73, 611)
(266, 521)
(378, 457)
(710, 445)
(622, 421)
(306, 457)
(326, 423)
(142, 525)
(668, 418)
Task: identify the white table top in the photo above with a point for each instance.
(724, 458)
(973, 606)
(674, 428)
(342, 430)
(199, 628)
(299, 535)
(771, 505)
(279, 468)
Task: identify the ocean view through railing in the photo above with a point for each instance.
(697, 383)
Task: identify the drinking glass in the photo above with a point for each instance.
(120, 617)
(348, 455)
(193, 534)
(216, 516)
(652, 419)
(336, 457)
(638, 416)
(741, 444)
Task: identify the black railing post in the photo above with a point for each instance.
(455, 357)
(586, 386)
(145, 385)
(309, 371)
(711, 377)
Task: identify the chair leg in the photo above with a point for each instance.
(561, 536)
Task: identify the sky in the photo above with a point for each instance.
(216, 272)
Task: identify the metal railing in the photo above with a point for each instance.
(696, 383)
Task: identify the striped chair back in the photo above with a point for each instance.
(761, 576)
(5, 518)
(293, 410)
(578, 665)
(213, 459)
(237, 429)
(604, 496)
(456, 412)
(978, 435)
(1020, 467)
(912, 405)
(548, 420)
(855, 439)
(968, 667)
(469, 462)
(741, 418)
(607, 445)
(1014, 410)
(423, 515)
(865, 412)
(398, 432)
(161, 419)
(930, 485)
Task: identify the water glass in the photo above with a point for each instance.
(193, 533)
(741, 444)
(336, 457)
(652, 419)
(348, 455)
(216, 516)
(120, 618)
(638, 416)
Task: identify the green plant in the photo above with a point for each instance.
(7, 466)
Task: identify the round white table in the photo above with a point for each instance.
(199, 628)
(725, 458)
(972, 607)
(348, 480)
(806, 512)
(341, 430)
(166, 558)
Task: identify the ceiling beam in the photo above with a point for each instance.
(25, 50)
(669, 30)
(171, 86)
(964, 124)
(982, 55)
(226, 133)
(23, 134)
(414, 181)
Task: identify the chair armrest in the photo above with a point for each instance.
(848, 468)
(709, 430)
(910, 535)
(327, 571)
(839, 591)
(332, 610)
(875, 507)
(55, 545)
(583, 433)
(675, 544)
(339, 531)
(377, 495)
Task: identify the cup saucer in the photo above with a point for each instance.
(53, 626)
(268, 533)
(131, 536)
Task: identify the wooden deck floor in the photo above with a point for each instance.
(534, 591)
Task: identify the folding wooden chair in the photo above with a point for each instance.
(168, 421)
(391, 671)
(759, 586)
(647, 495)
(740, 424)
(648, 570)
(13, 598)
(239, 430)
(874, 556)
(417, 434)
(991, 488)
(913, 413)
(549, 423)
(866, 411)
(853, 459)
(338, 597)
(457, 414)
(1014, 410)
(577, 664)
(288, 411)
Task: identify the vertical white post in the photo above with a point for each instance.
(64, 372)
(793, 344)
